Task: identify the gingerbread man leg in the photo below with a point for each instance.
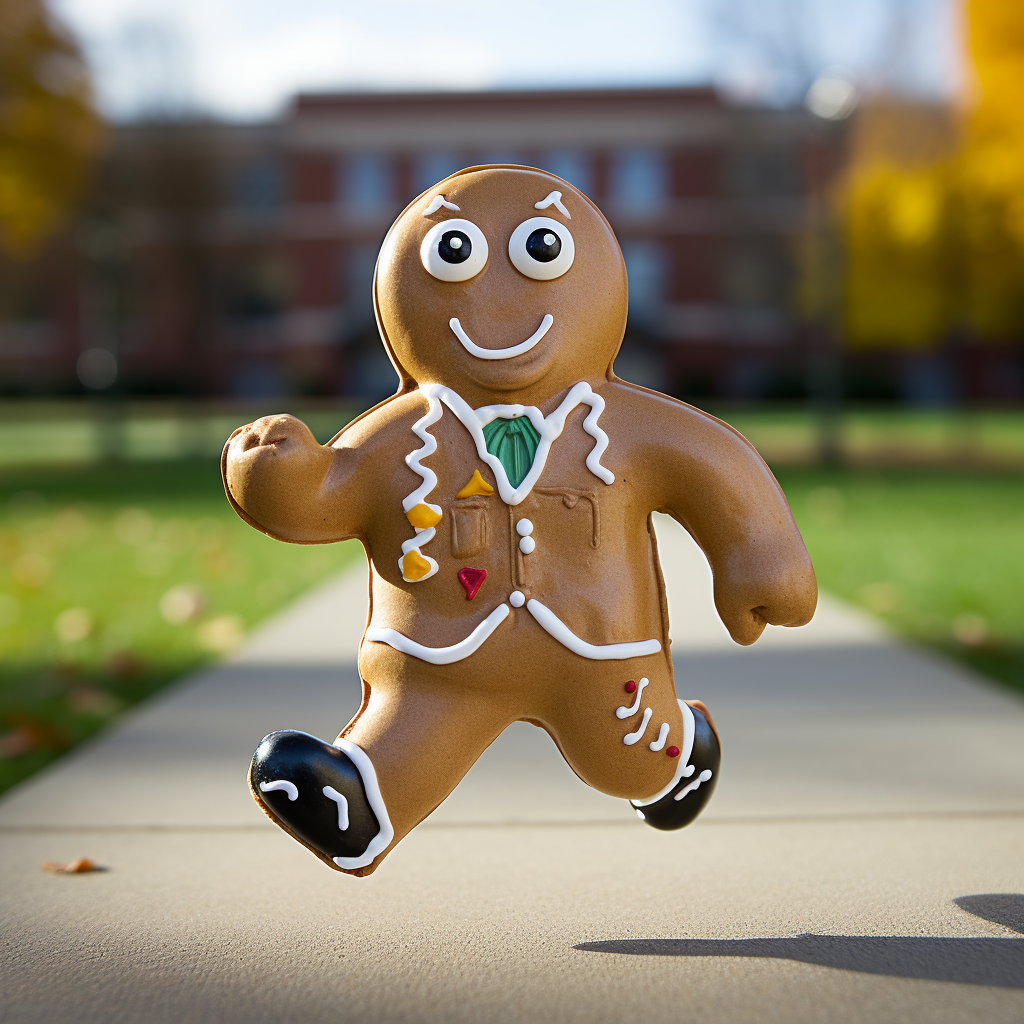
(624, 732)
(351, 801)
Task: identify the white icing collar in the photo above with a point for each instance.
(548, 427)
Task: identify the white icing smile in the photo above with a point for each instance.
(500, 353)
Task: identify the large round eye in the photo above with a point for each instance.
(541, 248)
(454, 250)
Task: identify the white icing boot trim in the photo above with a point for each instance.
(659, 743)
(339, 798)
(289, 787)
(628, 712)
(552, 624)
(501, 353)
(382, 840)
(634, 737)
(685, 769)
(440, 655)
(548, 427)
(703, 777)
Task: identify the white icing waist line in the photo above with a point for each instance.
(440, 655)
(553, 625)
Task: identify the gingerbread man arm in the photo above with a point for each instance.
(283, 482)
(711, 480)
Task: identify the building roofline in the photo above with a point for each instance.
(311, 104)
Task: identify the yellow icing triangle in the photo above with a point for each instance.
(422, 516)
(477, 485)
(414, 566)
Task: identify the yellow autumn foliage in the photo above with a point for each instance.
(933, 207)
(49, 131)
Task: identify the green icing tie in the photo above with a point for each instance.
(514, 444)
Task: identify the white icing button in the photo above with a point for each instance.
(517, 599)
(524, 527)
(527, 544)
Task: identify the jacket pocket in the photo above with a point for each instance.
(469, 527)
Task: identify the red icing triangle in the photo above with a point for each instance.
(471, 580)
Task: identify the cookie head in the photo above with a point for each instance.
(499, 279)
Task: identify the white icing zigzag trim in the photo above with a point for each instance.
(548, 427)
(552, 624)
(382, 840)
(289, 787)
(553, 199)
(500, 353)
(436, 203)
(414, 460)
(440, 655)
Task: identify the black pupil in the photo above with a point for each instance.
(544, 245)
(454, 247)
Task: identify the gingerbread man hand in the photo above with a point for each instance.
(274, 473)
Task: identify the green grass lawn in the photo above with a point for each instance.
(938, 555)
(115, 580)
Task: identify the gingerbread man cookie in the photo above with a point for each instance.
(503, 497)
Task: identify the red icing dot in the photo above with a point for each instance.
(630, 686)
(672, 751)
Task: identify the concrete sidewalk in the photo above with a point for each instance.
(865, 787)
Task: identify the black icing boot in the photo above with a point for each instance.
(692, 790)
(325, 797)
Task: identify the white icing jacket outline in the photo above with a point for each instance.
(549, 428)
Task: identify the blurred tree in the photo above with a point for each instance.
(49, 130)
(933, 204)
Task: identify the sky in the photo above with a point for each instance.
(244, 59)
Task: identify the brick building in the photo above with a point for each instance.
(258, 282)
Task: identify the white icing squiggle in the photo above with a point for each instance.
(596, 404)
(628, 712)
(553, 199)
(339, 798)
(685, 769)
(440, 655)
(548, 427)
(634, 737)
(501, 353)
(552, 624)
(659, 743)
(703, 777)
(382, 840)
(414, 460)
(436, 203)
(289, 787)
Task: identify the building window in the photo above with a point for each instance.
(573, 165)
(647, 270)
(368, 184)
(639, 180)
(430, 168)
(259, 186)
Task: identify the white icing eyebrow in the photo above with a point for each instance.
(553, 199)
(436, 203)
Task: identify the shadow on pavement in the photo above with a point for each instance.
(1005, 908)
(968, 961)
